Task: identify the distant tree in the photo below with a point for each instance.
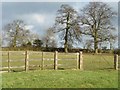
(32, 37)
(70, 45)
(37, 43)
(88, 44)
(104, 48)
(16, 33)
(29, 44)
(53, 44)
(112, 39)
(67, 25)
(49, 38)
(23, 45)
(95, 19)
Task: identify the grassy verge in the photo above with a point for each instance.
(61, 79)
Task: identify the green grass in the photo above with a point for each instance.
(61, 79)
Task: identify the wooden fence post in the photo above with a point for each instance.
(77, 60)
(116, 62)
(26, 61)
(55, 60)
(80, 63)
(42, 64)
(8, 61)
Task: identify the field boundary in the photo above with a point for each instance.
(79, 60)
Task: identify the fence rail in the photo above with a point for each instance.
(43, 56)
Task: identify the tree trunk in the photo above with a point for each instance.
(15, 36)
(66, 42)
(95, 39)
(110, 45)
(46, 43)
(46, 46)
(66, 35)
(95, 45)
(14, 42)
(66, 48)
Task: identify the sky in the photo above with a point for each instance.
(39, 16)
(119, 25)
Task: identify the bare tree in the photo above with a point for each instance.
(37, 43)
(88, 44)
(49, 38)
(16, 33)
(112, 40)
(95, 20)
(67, 25)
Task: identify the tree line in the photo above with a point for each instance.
(93, 20)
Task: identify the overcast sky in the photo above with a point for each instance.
(39, 15)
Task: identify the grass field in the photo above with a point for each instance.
(98, 71)
(61, 79)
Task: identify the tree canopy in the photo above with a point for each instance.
(95, 19)
(67, 25)
(16, 33)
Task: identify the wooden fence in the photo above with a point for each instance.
(79, 61)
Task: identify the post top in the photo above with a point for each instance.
(80, 52)
(56, 51)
